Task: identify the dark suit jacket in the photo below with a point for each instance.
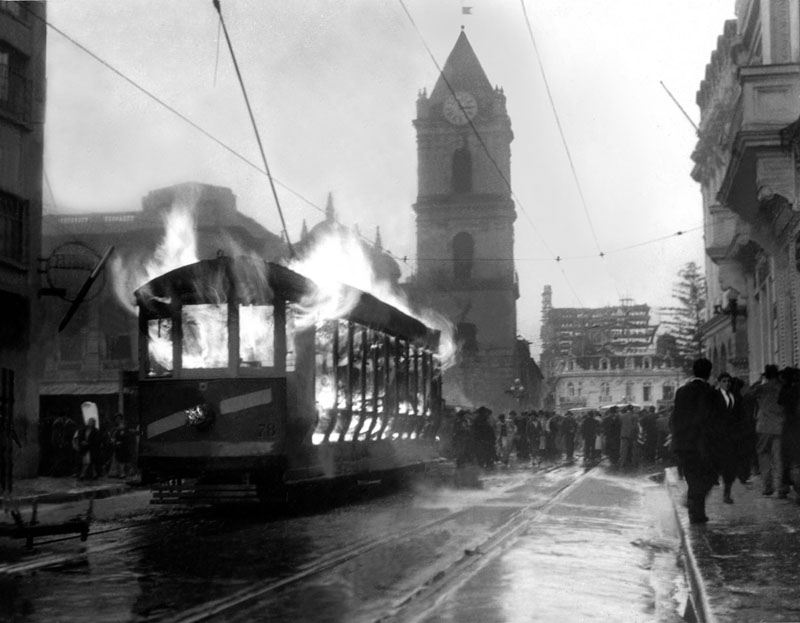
(691, 418)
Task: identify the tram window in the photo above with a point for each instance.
(324, 373)
(256, 336)
(390, 397)
(291, 335)
(159, 347)
(357, 387)
(205, 336)
(344, 361)
(369, 371)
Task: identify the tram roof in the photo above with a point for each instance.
(256, 281)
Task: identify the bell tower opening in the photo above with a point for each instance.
(462, 170)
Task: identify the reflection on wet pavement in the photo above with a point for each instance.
(601, 555)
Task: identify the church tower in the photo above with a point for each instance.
(465, 225)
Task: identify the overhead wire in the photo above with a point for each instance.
(574, 171)
(218, 7)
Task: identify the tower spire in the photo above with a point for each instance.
(330, 213)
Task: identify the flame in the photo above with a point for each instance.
(337, 258)
(177, 248)
(205, 336)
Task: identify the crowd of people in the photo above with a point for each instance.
(717, 432)
(628, 436)
(88, 452)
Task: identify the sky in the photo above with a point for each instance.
(333, 87)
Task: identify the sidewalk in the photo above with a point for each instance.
(743, 565)
(47, 490)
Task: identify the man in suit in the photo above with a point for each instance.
(691, 420)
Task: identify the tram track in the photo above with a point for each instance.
(419, 599)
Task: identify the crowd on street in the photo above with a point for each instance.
(627, 436)
(717, 432)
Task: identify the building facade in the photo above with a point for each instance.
(465, 233)
(595, 357)
(22, 114)
(747, 166)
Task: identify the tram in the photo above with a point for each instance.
(241, 396)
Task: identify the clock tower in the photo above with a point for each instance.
(465, 227)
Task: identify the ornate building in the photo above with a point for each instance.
(22, 113)
(465, 232)
(746, 164)
(593, 357)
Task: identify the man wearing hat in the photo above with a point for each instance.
(691, 419)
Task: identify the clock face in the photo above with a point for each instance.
(453, 112)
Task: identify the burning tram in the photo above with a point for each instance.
(242, 394)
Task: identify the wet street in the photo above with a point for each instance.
(523, 545)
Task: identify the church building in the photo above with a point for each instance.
(465, 234)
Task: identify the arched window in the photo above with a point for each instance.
(463, 254)
(605, 391)
(647, 363)
(570, 390)
(462, 170)
(647, 392)
(604, 364)
(629, 391)
(668, 391)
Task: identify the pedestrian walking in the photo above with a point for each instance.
(611, 432)
(87, 443)
(789, 398)
(569, 428)
(120, 443)
(504, 435)
(483, 438)
(769, 429)
(462, 439)
(588, 431)
(628, 434)
(744, 432)
(691, 419)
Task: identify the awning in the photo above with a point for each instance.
(78, 389)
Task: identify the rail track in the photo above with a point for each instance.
(414, 603)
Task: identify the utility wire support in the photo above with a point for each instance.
(255, 127)
(685, 114)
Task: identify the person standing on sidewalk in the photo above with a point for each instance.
(628, 433)
(769, 428)
(691, 420)
(723, 428)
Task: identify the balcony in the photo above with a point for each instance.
(769, 96)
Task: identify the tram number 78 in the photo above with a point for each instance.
(267, 429)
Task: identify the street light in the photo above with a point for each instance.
(518, 391)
